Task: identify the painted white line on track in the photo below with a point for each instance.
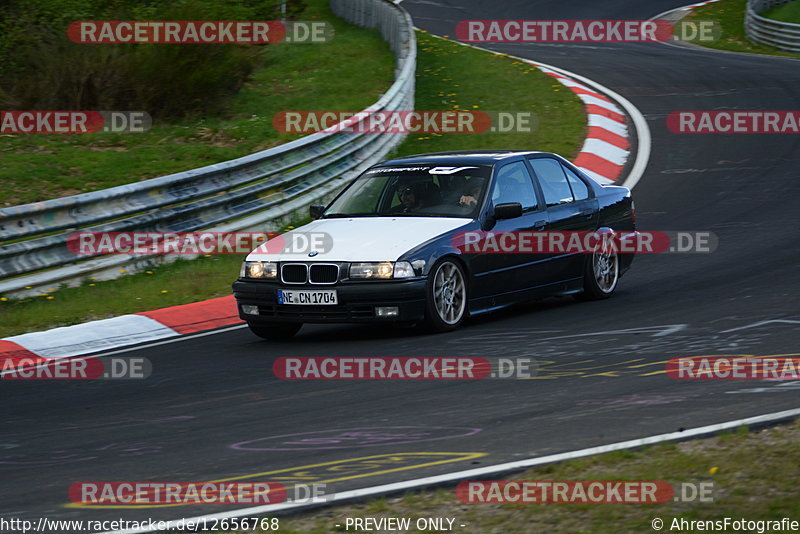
(489, 470)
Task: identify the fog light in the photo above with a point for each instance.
(249, 309)
(387, 311)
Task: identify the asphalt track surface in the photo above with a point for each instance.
(212, 408)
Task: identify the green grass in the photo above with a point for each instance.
(729, 14)
(448, 75)
(785, 13)
(348, 73)
(455, 77)
(754, 477)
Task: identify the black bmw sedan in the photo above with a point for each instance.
(435, 238)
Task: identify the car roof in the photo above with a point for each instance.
(460, 157)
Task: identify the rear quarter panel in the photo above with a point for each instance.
(616, 208)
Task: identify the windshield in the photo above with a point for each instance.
(421, 191)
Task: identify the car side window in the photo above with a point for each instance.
(514, 184)
(579, 188)
(553, 181)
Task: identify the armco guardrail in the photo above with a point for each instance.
(259, 192)
(770, 32)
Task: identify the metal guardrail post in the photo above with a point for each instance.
(770, 32)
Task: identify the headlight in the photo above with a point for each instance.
(259, 269)
(381, 270)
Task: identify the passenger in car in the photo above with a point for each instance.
(472, 192)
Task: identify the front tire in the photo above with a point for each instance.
(601, 274)
(446, 297)
(275, 331)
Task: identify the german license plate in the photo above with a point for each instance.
(307, 297)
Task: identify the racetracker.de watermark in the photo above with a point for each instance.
(108, 368)
(402, 368)
(734, 122)
(585, 31)
(194, 243)
(734, 368)
(198, 32)
(563, 31)
(172, 493)
(74, 122)
(582, 491)
(405, 121)
(583, 242)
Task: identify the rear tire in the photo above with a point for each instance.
(601, 274)
(446, 303)
(275, 331)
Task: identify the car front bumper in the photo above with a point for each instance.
(357, 302)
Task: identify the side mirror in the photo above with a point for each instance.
(508, 210)
(316, 210)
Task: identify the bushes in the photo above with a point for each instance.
(40, 68)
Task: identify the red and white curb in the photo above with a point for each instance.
(122, 331)
(606, 148)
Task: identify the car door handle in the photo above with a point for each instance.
(586, 213)
(539, 225)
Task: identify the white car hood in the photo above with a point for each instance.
(362, 238)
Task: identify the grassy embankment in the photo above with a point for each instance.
(729, 15)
